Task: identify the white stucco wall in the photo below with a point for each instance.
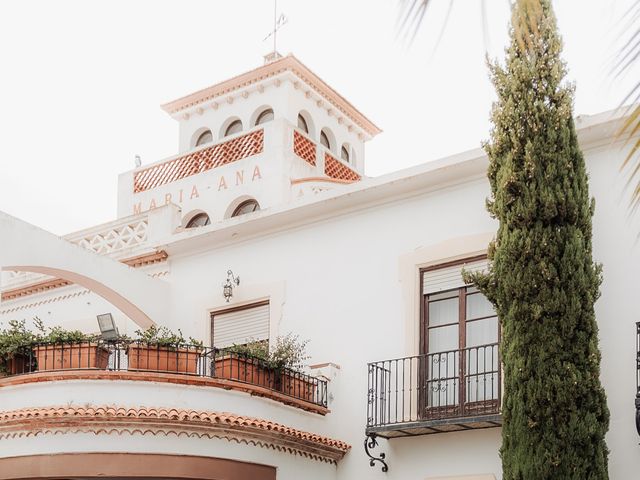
(340, 280)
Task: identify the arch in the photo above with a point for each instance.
(230, 126)
(346, 153)
(197, 136)
(327, 134)
(261, 115)
(130, 465)
(145, 300)
(233, 206)
(306, 116)
(189, 217)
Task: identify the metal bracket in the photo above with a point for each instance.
(371, 442)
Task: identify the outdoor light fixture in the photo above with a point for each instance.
(227, 288)
(108, 329)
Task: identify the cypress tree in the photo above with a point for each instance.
(542, 279)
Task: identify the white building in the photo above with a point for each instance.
(269, 183)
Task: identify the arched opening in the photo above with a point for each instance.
(231, 127)
(248, 206)
(265, 116)
(345, 152)
(204, 138)
(305, 123)
(326, 138)
(198, 220)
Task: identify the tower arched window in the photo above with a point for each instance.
(199, 220)
(324, 140)
(265, 116)
(247, 206)
(234, 127)
(205, 137)
(344, 153)
(302, 124)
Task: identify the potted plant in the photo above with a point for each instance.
(161, 350)
(277, 368)
(16, 354)
(59, 349)
(246, 363)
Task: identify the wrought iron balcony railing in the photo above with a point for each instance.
(638, 377)
(183, 360)
(425, 392)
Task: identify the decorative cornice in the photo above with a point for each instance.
(288, 63)
(39, 287)
(109, 420)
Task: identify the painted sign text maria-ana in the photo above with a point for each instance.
(179, 195)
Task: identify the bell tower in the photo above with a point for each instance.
(271, 135)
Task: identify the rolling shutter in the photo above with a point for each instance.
(441, 279)
(241, 326)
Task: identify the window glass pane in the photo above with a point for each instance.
(265, 117)
(235, 127)
(324, 140)
(482, 332)
(443, 311)
(478, 306)
(205, 137)
(344, 154)
(443, 338)
(302, 124)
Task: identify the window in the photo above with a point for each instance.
(324, 140)
(234, 127)
(344, 153)
(205, 137)
(265, 116)
(459, 337)
(247, 206)
(302, 124)
(199, 220)
(240, 325)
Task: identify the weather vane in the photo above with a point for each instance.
(278, 22)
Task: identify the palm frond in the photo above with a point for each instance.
(626, 59)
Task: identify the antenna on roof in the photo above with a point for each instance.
(278, 22)
(138, 161)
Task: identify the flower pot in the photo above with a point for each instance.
(297, 386)
(71, 356)
(17, 364)
(242, 369)
(163, 359)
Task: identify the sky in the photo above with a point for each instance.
(81, 82)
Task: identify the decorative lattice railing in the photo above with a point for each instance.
(304, 148)
(114, 238)
(335, 169)
(195, 162)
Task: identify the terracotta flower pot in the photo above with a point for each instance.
(163, 359)
(297, 387)
(71, 356)
(248, 370)
(18, 364)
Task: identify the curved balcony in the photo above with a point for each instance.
(185, 365)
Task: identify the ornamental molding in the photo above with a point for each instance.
(270, 70)
(108, 420)
(43, 286)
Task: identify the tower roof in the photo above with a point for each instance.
(257, 75)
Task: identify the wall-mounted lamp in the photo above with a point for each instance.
(227, 288)
(108, 329)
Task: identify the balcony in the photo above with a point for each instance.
(185, 365)
(434, 393)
